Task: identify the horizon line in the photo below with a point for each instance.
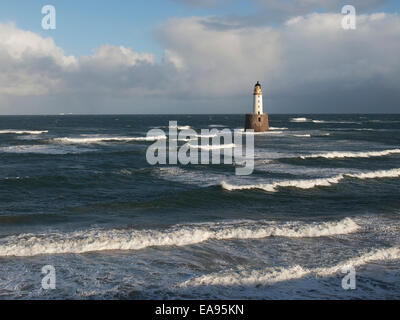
(190, 114)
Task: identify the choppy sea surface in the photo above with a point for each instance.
(77, 193)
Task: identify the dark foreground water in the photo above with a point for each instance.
(77, 193)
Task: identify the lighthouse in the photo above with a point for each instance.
(258, 120)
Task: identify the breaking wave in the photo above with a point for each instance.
(10, 131)
(330, 121)
(343, 154)
(279, 274)
(299, 120)
(277, 128)
(302, 135)
(212, 147)
(179, 235)
(312, 183)
(89, 140)
(180, 127)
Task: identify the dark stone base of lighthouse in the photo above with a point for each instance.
(257, 122)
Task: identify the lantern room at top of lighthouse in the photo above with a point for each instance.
(257, 89)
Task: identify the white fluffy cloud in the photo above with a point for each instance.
(110, 57)
(307, 64)
(33, 65)
(24, 57)
(20, 45)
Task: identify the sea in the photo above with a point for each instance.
(318, 218)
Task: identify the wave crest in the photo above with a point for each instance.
(312, 183)
(11, 131)
(89, 140)
(342, 154)
(273, 275)
(180, 235)
(213, 147)
(299, 120)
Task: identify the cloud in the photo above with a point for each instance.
(307, 56)
(34, 66)
(110, 56)
(306, 64)
(278, 10)
(28, 62)
(286, 8)
(218, 59)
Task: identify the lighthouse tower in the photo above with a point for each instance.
(258, 120)
(258, 102)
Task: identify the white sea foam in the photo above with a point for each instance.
(89, 140)
(274, 187)
(312, 183)
(332, 121)
(180, 235)
(246, 278)
(217, 126)
(374, 255)
(211, 147)
(277, 128)
(302, 135)
(299, 120)
(11, 131)
(272, 275)
(206, 135)
(393, 173)
(180, 127)
(344, 154)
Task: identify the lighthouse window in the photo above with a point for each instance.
(259, 119)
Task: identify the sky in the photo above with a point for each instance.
(199, 56)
